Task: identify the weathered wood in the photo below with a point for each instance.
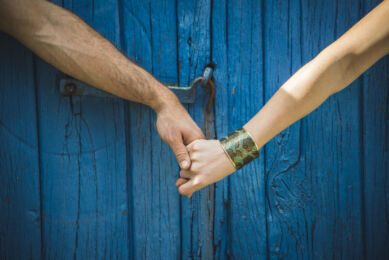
(83, 158)
(376, 156)
(239, 97)
(219, 56)
(375, 123)
(20, 225)
(314, 187)
(136, 43)
(194, 47)
(106, 188)
(149, 33)
(285, 169)
(333, 143)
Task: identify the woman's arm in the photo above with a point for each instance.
(331, 71)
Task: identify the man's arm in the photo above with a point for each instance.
(65, 41)
(331, 71)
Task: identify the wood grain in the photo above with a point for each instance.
(314, 188)
(20, 225)
(375, 119)
(219, 56)
(83, 158)
(150, 39)
(286, 193)
(194, 50)
(95, 173)
(239, 97)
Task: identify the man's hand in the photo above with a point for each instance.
(68, 43)
(177, 129)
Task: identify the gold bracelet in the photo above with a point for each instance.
(240, 148)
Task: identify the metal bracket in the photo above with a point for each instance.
(71, 87)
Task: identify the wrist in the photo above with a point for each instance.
(164, 100)
(253, 131)
(240, 148)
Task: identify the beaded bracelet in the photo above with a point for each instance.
(240, 148)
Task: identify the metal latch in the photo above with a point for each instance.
(186, 94)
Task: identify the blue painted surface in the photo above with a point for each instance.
(20, 225)
(79, 178)
(83, 160)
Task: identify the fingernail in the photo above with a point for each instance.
(184, 164)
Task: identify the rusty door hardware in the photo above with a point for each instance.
(186, 94)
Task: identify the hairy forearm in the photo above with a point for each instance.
(331, 71)
(65, 41)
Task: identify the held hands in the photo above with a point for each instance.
(202, 162)
(209, 165)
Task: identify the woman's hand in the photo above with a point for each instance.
(209, 165)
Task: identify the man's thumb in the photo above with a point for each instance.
(182, 154)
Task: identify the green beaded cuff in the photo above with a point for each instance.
(240, 148)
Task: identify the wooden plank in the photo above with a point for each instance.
(136, 43)
(284, 155)
(20, 225)
(314, 197)
(164, 40)
(376, 174)
(193, 18)
(239, 97)
(219, 56)
(149, 33)
(333, 143)
(376, 156)
(84, 195)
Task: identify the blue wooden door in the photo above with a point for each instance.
(89, 177)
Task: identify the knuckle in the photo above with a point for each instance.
(195, 168)
(196, 146)
(194, 156)
(182, 191)
(198, 183)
